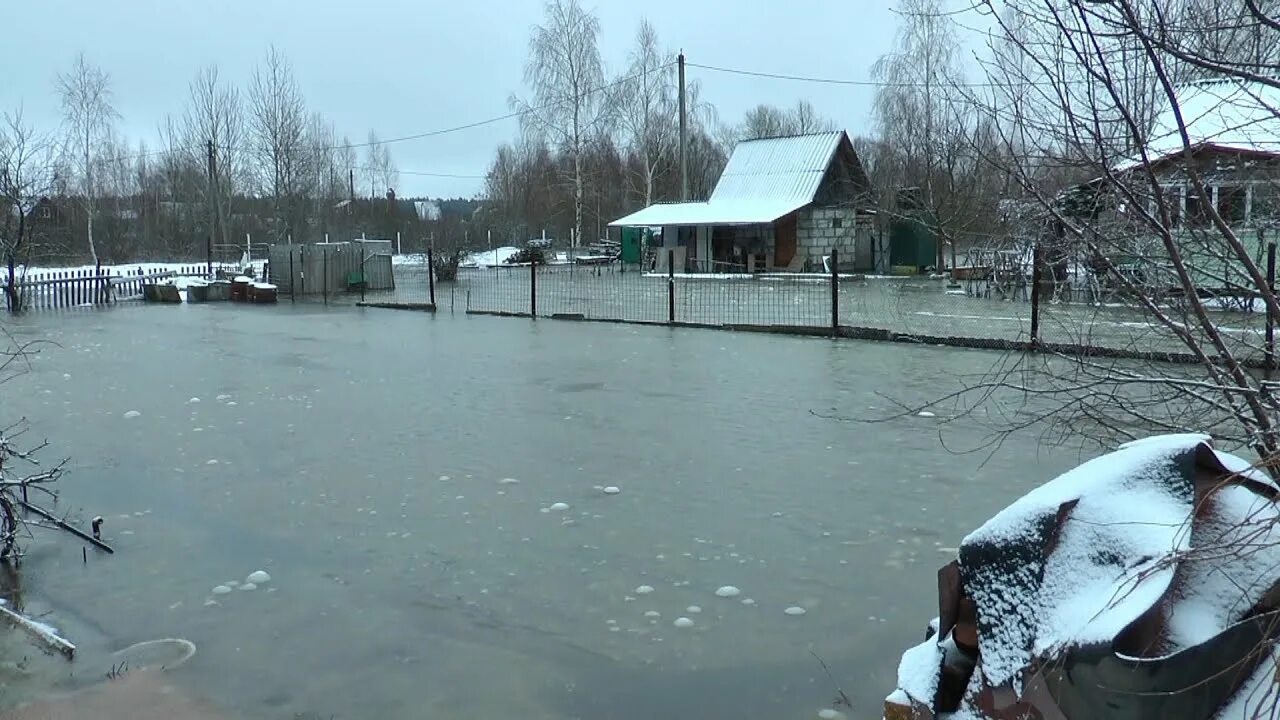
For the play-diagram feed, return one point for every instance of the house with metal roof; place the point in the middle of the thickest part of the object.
(782, 203)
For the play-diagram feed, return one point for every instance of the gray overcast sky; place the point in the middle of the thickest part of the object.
(407, 66)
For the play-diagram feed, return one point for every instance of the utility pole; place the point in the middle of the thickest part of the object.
(213, 205)
(351, 185)
(684, 136)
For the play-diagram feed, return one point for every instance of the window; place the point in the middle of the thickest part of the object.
(837, 222)
(1231, 204)
(45, 212)
(1197, 214)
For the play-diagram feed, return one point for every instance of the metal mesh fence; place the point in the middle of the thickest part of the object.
(927, 309)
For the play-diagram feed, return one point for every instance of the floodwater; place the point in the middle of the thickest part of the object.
(395, 473)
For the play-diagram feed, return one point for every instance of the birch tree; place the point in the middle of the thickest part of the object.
(26, 175)
(569, 104)
(647, 108)
(88, 117)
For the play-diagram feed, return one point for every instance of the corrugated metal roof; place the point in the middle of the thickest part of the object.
(1229, 114)
(749, 211)
(764, 180)
(785, 168)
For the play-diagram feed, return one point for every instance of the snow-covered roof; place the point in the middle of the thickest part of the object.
(725, 212)
(427, 209)
(1225, 114)
(764, 180)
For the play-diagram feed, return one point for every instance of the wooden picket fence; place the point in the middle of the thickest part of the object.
(57, 289)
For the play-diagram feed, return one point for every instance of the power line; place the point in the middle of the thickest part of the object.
(857, 83)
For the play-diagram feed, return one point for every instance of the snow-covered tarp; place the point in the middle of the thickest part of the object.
(1107, 591)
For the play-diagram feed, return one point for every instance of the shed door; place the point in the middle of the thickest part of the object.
(784, 243)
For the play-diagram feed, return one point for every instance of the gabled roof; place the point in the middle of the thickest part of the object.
(764, 180)
(1232, 115)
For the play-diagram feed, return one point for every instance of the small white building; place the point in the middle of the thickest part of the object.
(781, 204)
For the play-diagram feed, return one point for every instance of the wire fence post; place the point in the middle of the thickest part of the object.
(671, 287)
(835, 292)
(1035, 295)
(293, 289)
(533, 289)
(1271, 320)
(324, 270)
(431, 277)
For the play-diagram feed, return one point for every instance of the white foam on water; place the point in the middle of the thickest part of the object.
(795, 610)
(258, 577)
(221, 590)
(129, 415)
(683, 622)
(612, 490)
(644, 589)
(727, 591)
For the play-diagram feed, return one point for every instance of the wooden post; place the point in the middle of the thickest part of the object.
(324, 270)
(1035, 294)
(533, 290)
(1271, 320)
(431, 276)
(293, 289)
(835, 292)
(671, 287)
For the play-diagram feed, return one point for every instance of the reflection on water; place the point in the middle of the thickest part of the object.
(396, 475)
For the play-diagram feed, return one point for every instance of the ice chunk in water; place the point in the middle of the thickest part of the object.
(612, 490)
(794, 610)
(644, 589)
(221, 590)
(683, 622)
(258, 577)
(132, 414)
(559, 506)
(727, 591)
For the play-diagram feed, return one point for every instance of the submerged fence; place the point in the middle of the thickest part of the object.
(981, 312)
(57, 289)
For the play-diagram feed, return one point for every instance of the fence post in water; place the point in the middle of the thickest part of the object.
(533, 289)
(671, 287)
(1271, 320)
(431, 277)
(835, 292)
(1035, 295)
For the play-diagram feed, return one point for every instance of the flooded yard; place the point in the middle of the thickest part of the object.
(427, 495)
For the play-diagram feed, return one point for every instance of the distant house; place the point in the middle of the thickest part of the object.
(1232, 143)
(781, 204)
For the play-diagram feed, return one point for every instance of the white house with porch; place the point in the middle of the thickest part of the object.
(781, 204)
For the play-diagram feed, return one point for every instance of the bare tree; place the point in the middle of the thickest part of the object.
(647, 108)
(927, 123)
(1152, 222)
(26, 176)
(278, 124)
(88, 115)
(214, 122)
(379, 167)
(569, 105)
(765, 121)
(806, 120)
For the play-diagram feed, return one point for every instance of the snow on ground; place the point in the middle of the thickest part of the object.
(489, 258)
